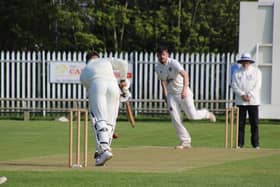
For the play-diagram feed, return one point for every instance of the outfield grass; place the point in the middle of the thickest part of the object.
(34, 153)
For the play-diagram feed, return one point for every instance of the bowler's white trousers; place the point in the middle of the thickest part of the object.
(175, 105)
(104, 105)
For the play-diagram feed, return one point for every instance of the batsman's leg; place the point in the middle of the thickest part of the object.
(93, 122)
(113, 102)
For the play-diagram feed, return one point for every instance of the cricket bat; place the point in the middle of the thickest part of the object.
(129, 114)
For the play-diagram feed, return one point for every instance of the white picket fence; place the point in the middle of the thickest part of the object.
(25, 81)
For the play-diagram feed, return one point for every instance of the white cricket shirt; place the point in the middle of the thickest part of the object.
(169, 73)
(103, 68)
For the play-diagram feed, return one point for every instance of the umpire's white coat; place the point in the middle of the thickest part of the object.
(247, 82)
(104, 96)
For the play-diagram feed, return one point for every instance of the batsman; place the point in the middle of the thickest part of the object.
(104, 92)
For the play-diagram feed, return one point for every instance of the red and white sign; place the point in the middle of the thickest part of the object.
(69, 72)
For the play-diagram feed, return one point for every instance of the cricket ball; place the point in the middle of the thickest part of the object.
(115, 135)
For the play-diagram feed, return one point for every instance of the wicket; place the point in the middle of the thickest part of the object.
(78, 141)
(232, 114)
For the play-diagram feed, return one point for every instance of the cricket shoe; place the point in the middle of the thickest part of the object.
(212, 117)
(96, 153)
(3, 179)
(183, 146)
(103, 158)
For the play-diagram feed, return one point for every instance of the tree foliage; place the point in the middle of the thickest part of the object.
(120, 25)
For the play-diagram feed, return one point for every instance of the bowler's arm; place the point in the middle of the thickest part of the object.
(164, 89)
(185, 76)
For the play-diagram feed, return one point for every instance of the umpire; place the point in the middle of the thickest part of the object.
(246, 86)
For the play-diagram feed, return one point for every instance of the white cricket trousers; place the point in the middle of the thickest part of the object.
(175, 105)
(104, 106)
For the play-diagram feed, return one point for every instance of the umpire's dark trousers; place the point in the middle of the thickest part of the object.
(253, 112)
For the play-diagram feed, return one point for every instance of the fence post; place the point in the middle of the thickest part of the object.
(136, 82)
(26, 115)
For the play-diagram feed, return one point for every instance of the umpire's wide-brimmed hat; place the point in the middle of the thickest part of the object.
(245, 57)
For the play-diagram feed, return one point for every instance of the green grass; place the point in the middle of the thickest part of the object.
(21, 140)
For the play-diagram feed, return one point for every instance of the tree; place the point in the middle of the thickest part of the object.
(71, 25)
(120, 25)
(23, 24)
